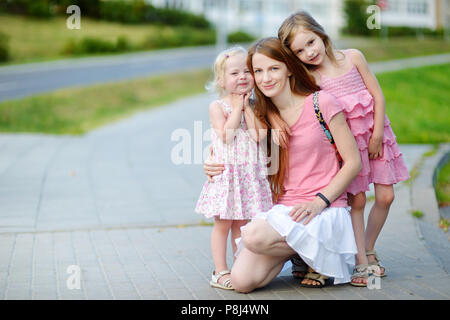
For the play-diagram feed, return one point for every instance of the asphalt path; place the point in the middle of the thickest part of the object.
(20, 81)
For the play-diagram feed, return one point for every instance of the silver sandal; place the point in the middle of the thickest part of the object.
(215, 280)
(375, 266)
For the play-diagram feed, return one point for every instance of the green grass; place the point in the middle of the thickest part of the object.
(442, 186)
(399, 47)
(34, 40)
(417, 214)
(78, 110)
(417, 103)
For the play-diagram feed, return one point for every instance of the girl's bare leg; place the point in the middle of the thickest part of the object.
(358, 202)
(219, 237)
(384, 196)
(236, 232)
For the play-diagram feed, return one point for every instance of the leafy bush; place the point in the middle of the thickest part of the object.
(403, 31)
(40, 9)
(179, 37)
(138, 11)
(95, 45)
(35, 8)
(4, 48)
(356, 17)
(124, 11)
(239, 36)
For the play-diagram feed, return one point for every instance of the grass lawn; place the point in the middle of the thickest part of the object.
(417, 103)
(33, 40)
(78, 110)
(443, 186)
(398, 48)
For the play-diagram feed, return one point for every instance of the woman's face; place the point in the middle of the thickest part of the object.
(237, 77)
(308, 47)
(271, 76)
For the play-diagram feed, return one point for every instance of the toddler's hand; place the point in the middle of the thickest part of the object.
(237, 101)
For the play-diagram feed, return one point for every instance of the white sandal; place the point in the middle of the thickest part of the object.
(215, 280)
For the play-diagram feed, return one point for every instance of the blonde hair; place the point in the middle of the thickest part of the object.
(219, 68)
(302, 19)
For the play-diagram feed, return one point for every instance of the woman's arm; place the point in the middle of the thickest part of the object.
(376, 140)
(348, 149)
(212, 169)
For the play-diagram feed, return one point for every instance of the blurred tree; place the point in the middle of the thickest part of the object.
(356, 17)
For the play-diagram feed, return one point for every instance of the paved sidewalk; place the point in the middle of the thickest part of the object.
(113, 203)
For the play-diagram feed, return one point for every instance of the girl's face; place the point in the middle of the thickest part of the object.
(308, 47)
(271, 76)
(237, 78)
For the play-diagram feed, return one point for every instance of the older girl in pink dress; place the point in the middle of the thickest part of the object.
(346, 75)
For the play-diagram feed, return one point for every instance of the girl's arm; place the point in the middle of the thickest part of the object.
(225, 127)
(376, 140)
(256, 128)
(348, 149)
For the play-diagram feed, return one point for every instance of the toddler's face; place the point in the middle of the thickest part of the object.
(308, 47)
(237, 77)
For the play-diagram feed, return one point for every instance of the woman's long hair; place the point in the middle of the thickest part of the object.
(303, 20)
(301, 83)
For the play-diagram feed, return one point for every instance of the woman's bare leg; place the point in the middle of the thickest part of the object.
(251, 270)
(262, 258)
(261, 238)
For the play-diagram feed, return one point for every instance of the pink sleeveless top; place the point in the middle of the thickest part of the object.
(312, 159)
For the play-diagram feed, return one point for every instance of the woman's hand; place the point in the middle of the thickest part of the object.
(212, 169)
(307, 210)
(375, 147)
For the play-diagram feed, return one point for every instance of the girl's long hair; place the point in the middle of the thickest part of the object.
(301, 83)
(302, 19)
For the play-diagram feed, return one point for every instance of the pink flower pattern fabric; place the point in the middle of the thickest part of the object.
(351, 91)
(242, 190)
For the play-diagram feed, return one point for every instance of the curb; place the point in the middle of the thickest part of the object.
(423, 196)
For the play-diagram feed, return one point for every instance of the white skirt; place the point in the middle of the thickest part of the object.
(326, 243)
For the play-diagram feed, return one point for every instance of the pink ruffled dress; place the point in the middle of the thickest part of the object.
(358, 103)
(242, 190)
